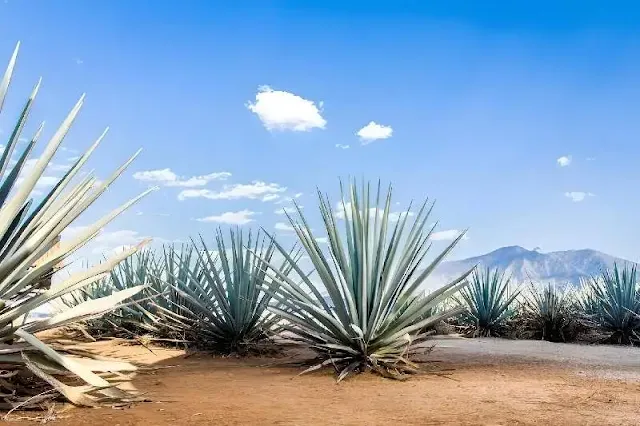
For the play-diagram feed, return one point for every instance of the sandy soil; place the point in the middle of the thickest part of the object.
(487, 382)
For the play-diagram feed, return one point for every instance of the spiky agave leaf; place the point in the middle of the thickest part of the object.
(488, 299)
(550, 313)
(224, 290)
(617, 304)
(28, 233)
(373, 315)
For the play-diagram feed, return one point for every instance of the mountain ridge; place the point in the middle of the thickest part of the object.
(523, 265)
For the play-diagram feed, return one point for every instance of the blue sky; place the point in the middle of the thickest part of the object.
(480, 103)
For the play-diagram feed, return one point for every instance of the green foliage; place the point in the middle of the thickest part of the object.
(195, 296)
(224, 290)
(488, 301)
(550, 314)
(28, 232)
(615, 304)
(373, 317)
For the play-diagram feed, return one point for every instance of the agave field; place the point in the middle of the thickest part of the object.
(360, 307)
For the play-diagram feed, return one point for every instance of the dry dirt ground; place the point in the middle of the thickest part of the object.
(479, 382)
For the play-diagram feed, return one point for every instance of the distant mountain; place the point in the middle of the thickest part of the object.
(559, 267)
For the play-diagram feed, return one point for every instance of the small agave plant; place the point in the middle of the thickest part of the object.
(488, 299)
(30, 230)
(228, 291)
(374, 316)
(615, 306)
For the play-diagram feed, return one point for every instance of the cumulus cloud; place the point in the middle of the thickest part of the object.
(339, 145)
(254, 190)
(373, 132)
(341, 213)
(279, 110)
(577, 196)
(241, 217)
(564, 161)
(448, 235)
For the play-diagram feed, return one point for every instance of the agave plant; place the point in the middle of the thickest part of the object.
(488, 300)
(223, 290)
(28, 232)
(550, 314)
(617, 307)
(373, 316)
(145, 315)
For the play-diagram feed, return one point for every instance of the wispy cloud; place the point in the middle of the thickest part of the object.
(115, 241)
(577, 196)
(254, 190)
(447, 235)
(279, 110)
(564, 161)
(281, 226)
(231, 218)
(343, 211)
(287, 210)
(167, 177)
(373, 132)
(339, 145)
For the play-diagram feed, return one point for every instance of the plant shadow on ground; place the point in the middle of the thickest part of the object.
(478, 388)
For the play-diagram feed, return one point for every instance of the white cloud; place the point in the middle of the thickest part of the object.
(287, 210)
(46, 181)
(564, 161)
(167, 177)
(281, 226)
(577, 196)
(298, 195)
(279, 110)
(393, 216)
(110, 241)
(448, 235)
(339, 145)
(232, 218)
(254, 190)
(373, 132)
(59, 167)
(74, 158)
(270, 197)
(322, 240)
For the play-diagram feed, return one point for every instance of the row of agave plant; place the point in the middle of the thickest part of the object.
(604, 308)
(374, 317)
(360, 307)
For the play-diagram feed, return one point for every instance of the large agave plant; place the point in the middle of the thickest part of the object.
(224, 291)
(617, 304)
(488, 300)
(28, 231)
(373, 316)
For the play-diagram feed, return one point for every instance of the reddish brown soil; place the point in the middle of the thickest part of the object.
(203, 390)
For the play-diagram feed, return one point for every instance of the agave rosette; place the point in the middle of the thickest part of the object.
(374, 314)
(30, 231)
